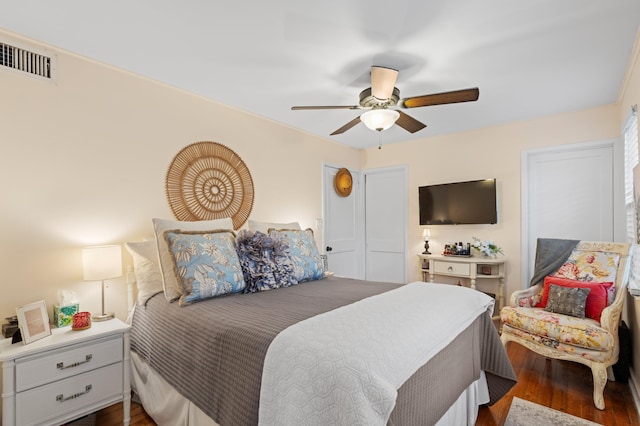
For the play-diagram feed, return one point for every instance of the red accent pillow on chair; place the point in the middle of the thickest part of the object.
(597, 300)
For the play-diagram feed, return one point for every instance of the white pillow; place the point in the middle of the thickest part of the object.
(264, 227)
(171, 289)
(146, 269)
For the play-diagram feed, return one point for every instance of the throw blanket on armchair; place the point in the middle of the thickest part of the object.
(551, 253)
(347, 363)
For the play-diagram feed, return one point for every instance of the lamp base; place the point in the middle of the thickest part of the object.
(426, 247)
(103, 317)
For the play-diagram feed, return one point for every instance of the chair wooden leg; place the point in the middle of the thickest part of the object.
(599, 382)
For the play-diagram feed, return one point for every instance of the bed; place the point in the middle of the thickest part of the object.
(325, 351)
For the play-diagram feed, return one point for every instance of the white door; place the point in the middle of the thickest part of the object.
(342, 237)
(567, 192)
(386, 224)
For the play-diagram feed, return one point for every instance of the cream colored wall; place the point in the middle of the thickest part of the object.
(630, 95)
(83, 162)
(487, 153)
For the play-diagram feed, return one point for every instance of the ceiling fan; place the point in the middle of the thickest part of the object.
(383, 94)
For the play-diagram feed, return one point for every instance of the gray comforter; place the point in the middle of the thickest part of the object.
(212, 352)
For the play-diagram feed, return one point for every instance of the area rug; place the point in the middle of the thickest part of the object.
(527, 413)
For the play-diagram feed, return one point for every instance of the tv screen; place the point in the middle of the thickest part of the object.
(458, 203)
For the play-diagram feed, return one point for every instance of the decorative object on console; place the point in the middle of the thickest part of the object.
(486, 248)
(33, 321)
(457, 249)
(10, 327)
(81, 321)
(62, 315)
(66, 307)
(343, 182)
(426, 234)
(207, 180)
(102, 263)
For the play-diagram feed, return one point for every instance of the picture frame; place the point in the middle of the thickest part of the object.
(33, 321)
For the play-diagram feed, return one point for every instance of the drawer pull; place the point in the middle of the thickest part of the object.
(61, 365)
(61, 398)
(450, 269)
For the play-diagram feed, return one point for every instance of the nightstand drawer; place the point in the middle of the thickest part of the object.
(41, 369)
(452, 268)
(45, 404)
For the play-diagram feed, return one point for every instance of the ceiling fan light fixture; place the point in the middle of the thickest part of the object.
(379, 119)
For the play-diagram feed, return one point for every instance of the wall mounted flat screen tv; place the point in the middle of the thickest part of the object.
(458, 203)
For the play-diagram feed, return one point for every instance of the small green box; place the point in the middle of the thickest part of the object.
(63, 315)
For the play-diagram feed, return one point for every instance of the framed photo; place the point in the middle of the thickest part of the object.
(33, 321)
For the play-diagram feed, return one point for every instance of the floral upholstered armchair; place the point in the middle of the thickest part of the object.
(575, 312)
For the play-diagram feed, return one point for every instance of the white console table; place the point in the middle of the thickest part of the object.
(471, 268)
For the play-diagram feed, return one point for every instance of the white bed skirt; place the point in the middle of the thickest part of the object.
(167, 407)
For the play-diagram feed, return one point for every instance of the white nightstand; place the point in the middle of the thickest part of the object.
(66, 375)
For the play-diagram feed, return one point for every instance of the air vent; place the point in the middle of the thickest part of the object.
(27, 61)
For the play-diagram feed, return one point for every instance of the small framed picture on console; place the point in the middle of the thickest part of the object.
(33, 321)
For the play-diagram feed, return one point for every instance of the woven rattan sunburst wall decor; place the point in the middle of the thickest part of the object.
(207, 180)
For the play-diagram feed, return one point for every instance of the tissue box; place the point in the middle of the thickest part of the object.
(62, 315)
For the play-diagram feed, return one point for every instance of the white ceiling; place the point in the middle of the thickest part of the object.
(529, 58)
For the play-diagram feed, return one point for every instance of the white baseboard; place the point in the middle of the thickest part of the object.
(634, 392)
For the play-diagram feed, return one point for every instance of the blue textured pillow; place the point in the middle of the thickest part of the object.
(308, 265)
(265, 261)
(205, 263)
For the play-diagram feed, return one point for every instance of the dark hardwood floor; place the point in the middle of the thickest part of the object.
(564, 386)
(561, 385)
(112, 416)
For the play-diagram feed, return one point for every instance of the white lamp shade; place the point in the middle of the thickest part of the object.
(102, 262)
(426, 234)
(379, 119)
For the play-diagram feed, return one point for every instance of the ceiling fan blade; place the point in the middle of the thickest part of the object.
(346, 126)
(409, 123)
(466, 95)
(383, 80)
(296, 108)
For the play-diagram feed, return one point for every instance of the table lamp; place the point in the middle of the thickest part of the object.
(102, 263)
(426, 234)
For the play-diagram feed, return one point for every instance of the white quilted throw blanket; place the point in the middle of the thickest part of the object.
(344, 367)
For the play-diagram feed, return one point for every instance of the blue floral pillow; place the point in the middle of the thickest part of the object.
(307, 263)
(205, 263)
(265, 261)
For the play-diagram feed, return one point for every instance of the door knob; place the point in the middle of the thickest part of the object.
(329, 248)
